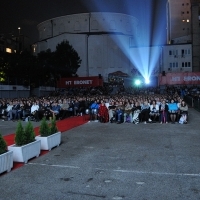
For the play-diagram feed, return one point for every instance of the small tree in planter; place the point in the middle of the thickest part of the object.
(3, 145)
(49, 135)
(44, 128)
(6, 157)
(29, 133)
(53, 127)
(24, 136)
(20, 137)
(25, 146)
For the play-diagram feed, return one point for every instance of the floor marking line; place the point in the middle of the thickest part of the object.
(120, 170)
(157, 173)
(63, 166)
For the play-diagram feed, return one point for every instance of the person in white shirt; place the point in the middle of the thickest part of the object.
(34, 111)
(8, 110)
(154, 110)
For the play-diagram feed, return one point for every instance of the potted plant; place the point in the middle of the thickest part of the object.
(6, 157)
(25, 147)
(49, 135)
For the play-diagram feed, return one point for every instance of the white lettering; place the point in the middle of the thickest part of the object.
(68, 82)
(176, 78)
(191, 78)
(83, 82)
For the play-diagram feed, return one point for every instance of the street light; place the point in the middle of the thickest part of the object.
(19, 28)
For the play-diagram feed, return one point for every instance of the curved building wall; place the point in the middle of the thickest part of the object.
(101, 40)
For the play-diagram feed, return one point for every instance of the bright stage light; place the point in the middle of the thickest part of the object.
(147, 81)
(137, 82)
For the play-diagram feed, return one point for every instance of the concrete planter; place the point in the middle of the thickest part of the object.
(47, 143)
(25, 152)
(6, 161)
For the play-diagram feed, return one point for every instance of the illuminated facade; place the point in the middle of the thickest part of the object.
(101, 40)
(178, 21)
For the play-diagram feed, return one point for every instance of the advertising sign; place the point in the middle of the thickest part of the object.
(186, 78)
(92, 81)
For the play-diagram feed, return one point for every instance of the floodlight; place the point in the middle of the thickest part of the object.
(147, 81)
(137, 82)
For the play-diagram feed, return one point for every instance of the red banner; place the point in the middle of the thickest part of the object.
(92, 81)
(185, 78)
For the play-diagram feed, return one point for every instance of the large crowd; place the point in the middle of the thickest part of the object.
(147, 106)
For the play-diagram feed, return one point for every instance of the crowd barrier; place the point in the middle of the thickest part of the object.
(195, 103)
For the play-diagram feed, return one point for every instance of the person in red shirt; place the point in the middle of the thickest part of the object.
(103, 113)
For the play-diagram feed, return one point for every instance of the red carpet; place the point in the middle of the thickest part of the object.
(63, 125)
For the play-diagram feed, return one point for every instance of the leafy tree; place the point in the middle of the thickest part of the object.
(3, 145)
(66, 59)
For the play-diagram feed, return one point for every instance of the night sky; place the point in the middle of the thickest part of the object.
(27, 14)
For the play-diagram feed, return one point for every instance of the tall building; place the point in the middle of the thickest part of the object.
(183, 26)
(195, 19)
(178, 21)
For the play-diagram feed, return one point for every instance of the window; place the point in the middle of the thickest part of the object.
(170, 65)
(182, 51)
(170, 52)
(188, 51)
(185, 64)
(173, 64)
(188, 64)
(8, 50)
(182, 64)
(176, 64)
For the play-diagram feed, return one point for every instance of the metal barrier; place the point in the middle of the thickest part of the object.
(195, 103)
(189, 100)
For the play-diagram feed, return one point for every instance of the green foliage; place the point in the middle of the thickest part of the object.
(44, 128)
(3, 145)
(24, 135)
(53, 128)
(20, 138)
(29, 132)
(67, 58)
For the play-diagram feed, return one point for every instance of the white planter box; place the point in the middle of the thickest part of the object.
(6, 161)
(25, 152)
(47, 143)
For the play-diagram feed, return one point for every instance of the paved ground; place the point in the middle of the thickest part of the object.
(113, 161)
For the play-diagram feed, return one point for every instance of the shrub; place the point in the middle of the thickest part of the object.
(24, 135)
(53, 127)
(20, 138)
(3, 145)
(29, 132)
(44, 128)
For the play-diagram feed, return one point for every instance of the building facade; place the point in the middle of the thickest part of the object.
(101, 40)
(178, 21)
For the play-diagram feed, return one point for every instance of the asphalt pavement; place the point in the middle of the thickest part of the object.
(112, 161)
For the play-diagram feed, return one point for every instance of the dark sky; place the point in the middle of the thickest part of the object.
(29, 13)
